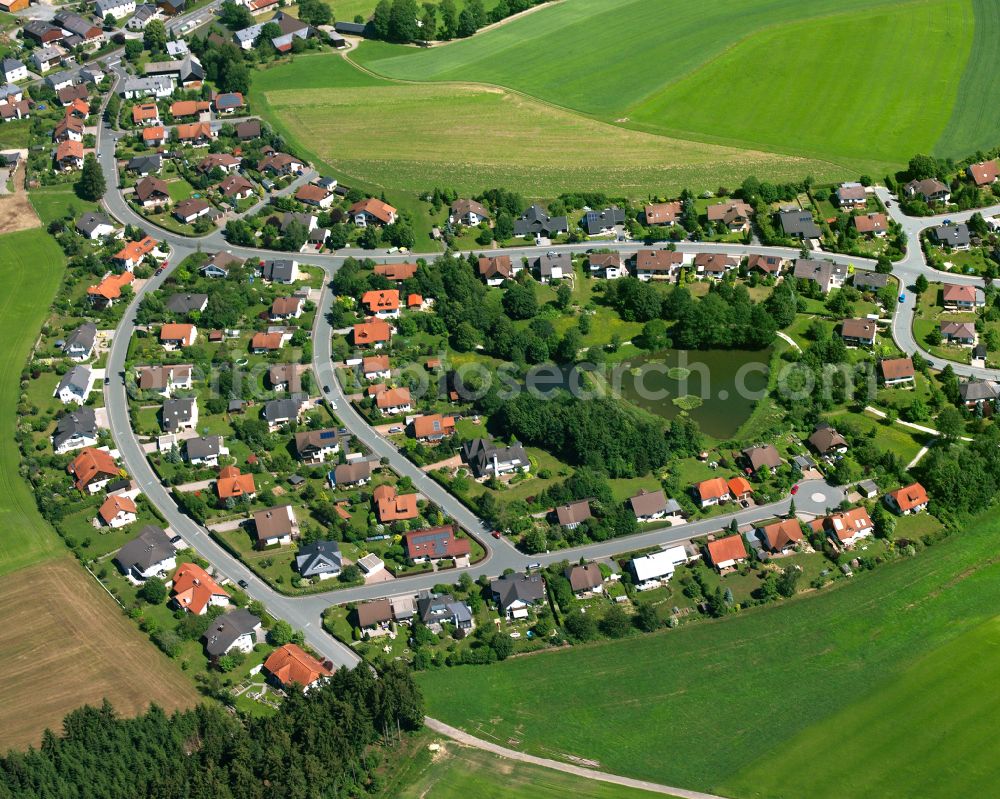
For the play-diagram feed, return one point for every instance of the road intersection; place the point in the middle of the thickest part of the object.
(304, 612)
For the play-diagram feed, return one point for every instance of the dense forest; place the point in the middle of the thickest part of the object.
(317, 744)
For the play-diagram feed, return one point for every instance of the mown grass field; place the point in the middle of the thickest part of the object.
(66, 644)
(713, 706)
(31, 265)
(412, 137)
(458, 772)
(54, 202)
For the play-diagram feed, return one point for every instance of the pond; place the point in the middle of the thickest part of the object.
(716, 388)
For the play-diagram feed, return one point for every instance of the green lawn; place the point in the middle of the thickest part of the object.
(703, 691)
(15, 134)
(32, 265)
(55, 202)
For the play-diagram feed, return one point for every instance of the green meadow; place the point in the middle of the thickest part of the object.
(882, 678)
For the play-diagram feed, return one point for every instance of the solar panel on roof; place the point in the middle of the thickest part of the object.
(327, 434)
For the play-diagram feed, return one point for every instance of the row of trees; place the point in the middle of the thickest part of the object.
(403, 21)
(319, 744)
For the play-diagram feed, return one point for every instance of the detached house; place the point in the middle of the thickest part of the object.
(290, 665)
(827, 441)
(851, 195)
(282, 411)
(280, 164)
(468, 212)
(205, 450)
(766, 264)
(231, 484)
(316, 446)
(827, 274)
(376, 367)
(174, 335)
(536, 222)
(649, 506)
(485, 459)
(93, 469)
(75, 386)
(871, 224)
(319, 559)
(149, 554)
(164, 380)
(433, 427)
(573, 514)
(118, 510)
(847, 527)
(984, 173)
(372, 212)
(554, 266)
(859, 332)
(962, 297)
(275, 526)
(961, 333)
(661, 213)
(282, 270)
(649, 570)
(598, 223)
(391, 506)
(734, 215)
(957, 237)
(727, 553)
(710, 492)
(314, 195)
(495, 270)
(382, 304)
(608, 265)
(394, 401)
(350, 475)
(434, 544)
(75, 429)
(179, 414)
(930, 190)
(907, 500)
(237, 630)
(657, 264)
(585, 579)
(799, 224)
(516, 593)
(195, 591)
(151, 191)
(782, 537)
(762, 458)
(235, 187)
(69, 155)
(79, 344)
(896, 371)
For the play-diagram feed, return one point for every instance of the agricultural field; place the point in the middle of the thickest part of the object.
(837, 664)
(456, 772)
(79, 642)
(494, 138)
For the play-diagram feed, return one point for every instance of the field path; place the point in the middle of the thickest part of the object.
(579, 771)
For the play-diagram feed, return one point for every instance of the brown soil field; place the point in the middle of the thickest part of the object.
(65, 644)
(16, 212)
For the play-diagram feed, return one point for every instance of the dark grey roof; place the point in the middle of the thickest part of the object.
(350, 28)
(177, 411)
(528, 588)
(437, 609)
(536, 221)
(280, 409)
(550, 260)
(952, 235)
(226, 629)
(278, 269)
(81, 422)
(306, 220)
(74, 23)
(799, 223)
(38, 28)
(977, 391)
(90, 221)
(82, 339)
(151, 546)
(319, 557)
(77, 378)
(11, 64)
(145, 163)
(185, 303)
(870, 280)
(187, 68)
(595, 221)
(203, 447)
(480, 452)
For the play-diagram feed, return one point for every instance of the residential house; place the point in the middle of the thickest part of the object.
(515, 593)
(196, 133)
(376, 367)
(283, 270)
(319, 560)
(143, 165)
(468, 212)
(219, 264)
(245, 131)
(714, 265)
(94, 225)
(847, 527)
(205, 450)
(275, 526)
(284, 308)
(710, 492)
(75, 386)
(537, 223)
(79, 344)
(734, 215)
(350, 475)
(224, 161)
(118, 510)
(396, 272)
(69, 128)
(370, 616)
(186, 72)
(186, 303)
(799, 224)
(435, 543)
(154, 136)
(374, 333)
(977, 394)
(435, 610)
(46, 58)
(827, 274)
(573, 514)
(657, 264)
(372, 211)
(231, 484)
(585, 578)
(382, 304)
(69, 155)
(608, 265)
(869, 281)
(316, 446)
(282, 411)
(930, 190)
(93, 469)
(158, 87)
(859, 332)
(496, 269)
(727, 553)
(104, 294)
(192, 108)
(827, 441)
(762, 458)
(433, 427)
(908, 499)
(75, 429)
(662, 213)
(12, 70)
(165, 380)
(290, 665)
(149, 554)
(956, 237)
(740, 489)
(851, 196)
(554, 266)
(485, 459)
(237, 630)
(649, 570)
(188, 211)
(281, 164)
(601, 223)
(649, 506)
(962, 297)
(175, 335)
(896, 371)
(285, 377)
(391, 506)
(394, 401)
(781, 537)
(151, 192)
(144, 14)
(230, 102)
(307, 221)
(313, 195)
(874, 224)
(179, 413)
(271, 341)
(960, 333)
(767, 264)
(984, 173)
(235, 188)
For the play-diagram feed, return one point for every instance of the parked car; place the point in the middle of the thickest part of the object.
(496, 534)
(795, 490)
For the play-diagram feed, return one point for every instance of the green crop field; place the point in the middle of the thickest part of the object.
(696, 94)
(31, 265)
(715, 706)
(458, 772)
(412, 137)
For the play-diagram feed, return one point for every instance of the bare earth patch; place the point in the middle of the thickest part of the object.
(16, 212)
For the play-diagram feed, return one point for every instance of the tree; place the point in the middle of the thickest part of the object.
(788, 580)
(519, 302)
(580, 626)
(350, 574)
(449, 20)
(381, 17)
(504, 226)
(616, 622)
(234, 76)
(647, 619)
(922, 167)
(921, 285)
(466, 24)
(91, 185)
(403, 26)
(133, 50)
(563, 296)
(950, 423)
(883, 523)
(502, 646)
(236, 17)
(315, 12)
(478, 11)
(153, 591)
(154, 38)
(280, 633)
(109, 20)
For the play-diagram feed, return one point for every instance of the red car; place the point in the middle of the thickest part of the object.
(496, 533)
(795, 490)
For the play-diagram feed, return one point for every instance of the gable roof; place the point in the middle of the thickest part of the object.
(291, 664)
(92, 464)
(227, 629)
(896, 368)
(713, 488)
(909, 497)
(231, 483)
(318, 557)
(150, 547)
(373, 207)
(573, 512)
(115, 504)
(435, 542)
(584, 577)
(782, 535)
(762, 455)
(194, 588)
(725, 549)
(648, 503)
